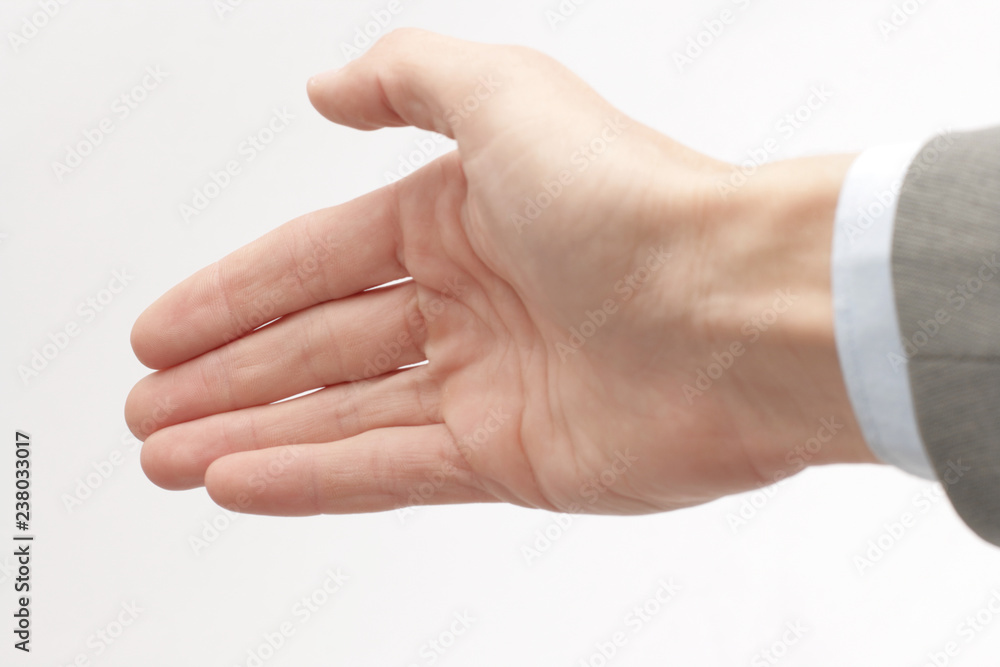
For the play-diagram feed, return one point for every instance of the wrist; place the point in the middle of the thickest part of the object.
(771, 245)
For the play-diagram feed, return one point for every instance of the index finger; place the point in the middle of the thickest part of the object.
(324, 255)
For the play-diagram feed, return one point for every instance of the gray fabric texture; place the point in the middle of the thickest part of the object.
(946, 282)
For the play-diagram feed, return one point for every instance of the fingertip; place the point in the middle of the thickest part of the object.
(137, 340)
(318, 88)
(263, 482)
(159, 465)
(130, 413)
(317, 81)
(143, 340)
(216, 481)
(405, 78)
(135, 337)
(227, 481)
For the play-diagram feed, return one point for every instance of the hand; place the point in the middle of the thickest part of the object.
(577, 284)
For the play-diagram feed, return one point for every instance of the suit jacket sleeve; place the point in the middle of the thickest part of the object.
(946, 281)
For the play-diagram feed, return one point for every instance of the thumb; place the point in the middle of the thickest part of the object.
(464, 90)
(411, 77)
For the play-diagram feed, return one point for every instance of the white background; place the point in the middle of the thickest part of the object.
(793, 561)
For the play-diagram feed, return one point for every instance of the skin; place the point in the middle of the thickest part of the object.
(512, 406)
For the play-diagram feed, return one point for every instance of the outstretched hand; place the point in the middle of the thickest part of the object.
(574, 281)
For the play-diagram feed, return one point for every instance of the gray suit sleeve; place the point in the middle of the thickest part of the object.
(946, 281)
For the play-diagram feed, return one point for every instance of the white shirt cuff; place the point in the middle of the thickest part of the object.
(865, 320)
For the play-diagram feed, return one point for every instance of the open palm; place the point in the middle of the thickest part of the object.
(553, 279)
